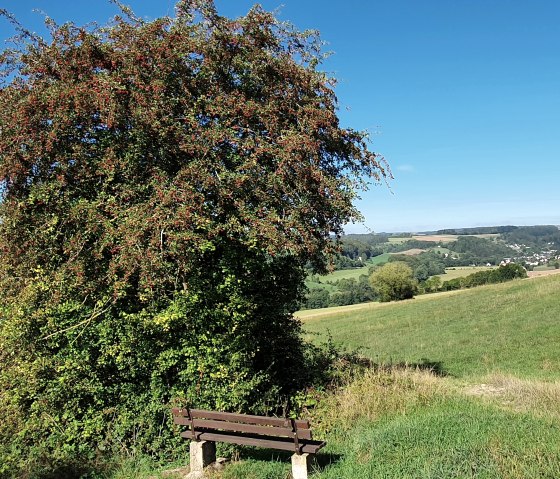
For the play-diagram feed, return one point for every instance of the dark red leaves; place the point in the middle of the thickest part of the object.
(149, 141)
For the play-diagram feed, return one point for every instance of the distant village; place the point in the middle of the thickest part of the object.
(528, 257)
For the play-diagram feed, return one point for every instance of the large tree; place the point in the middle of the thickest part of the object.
(164, 183)
(394, 281)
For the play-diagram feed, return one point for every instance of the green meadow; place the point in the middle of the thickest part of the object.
(511, 327)
(462, 271)
(467, 385)
(353, 273)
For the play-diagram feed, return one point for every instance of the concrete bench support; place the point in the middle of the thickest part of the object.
(300, 465)
(203, 453)
(281, 433)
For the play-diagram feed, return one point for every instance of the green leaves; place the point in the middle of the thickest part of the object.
(220, 129)
(164, 184)
(394, 281)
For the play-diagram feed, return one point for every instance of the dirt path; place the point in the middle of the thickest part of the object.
(536, 274)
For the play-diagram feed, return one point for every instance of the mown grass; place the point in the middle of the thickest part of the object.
(511, 328)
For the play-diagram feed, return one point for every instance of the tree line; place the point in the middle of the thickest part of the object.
(424, 270)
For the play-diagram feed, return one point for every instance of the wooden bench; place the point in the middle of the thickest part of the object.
(208, 427)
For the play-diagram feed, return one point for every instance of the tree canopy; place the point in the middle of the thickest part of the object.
(129, 152)
(394, 281)
(163, 184)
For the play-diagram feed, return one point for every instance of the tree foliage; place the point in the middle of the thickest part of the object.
(480, 250)
(535, 236)
(394, 281)
(423, 265)
(164, 184)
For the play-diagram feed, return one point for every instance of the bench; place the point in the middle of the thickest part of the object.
(208, 427)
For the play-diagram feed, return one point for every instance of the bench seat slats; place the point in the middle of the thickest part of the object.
(248, 428)
(285, 444)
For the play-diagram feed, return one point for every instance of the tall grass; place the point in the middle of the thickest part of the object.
(396, 424)
(378, 393)
(541, 398)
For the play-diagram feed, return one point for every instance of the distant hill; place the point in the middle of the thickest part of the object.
(478, 230)
(534, 236)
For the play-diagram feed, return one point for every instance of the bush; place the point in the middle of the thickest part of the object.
(501, 274)
(317, 298)
(69, 393)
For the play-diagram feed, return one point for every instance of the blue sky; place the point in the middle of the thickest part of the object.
(461, 97)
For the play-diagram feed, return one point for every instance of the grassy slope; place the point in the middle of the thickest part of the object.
(408, 423)
(511, 327)
(416, 425)
(462, 271)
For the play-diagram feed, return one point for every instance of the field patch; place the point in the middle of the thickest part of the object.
(355, 273)
(436, 238)
(462, 271)
(444, 238)
(398, 239)
(411, 252)
(542, 272)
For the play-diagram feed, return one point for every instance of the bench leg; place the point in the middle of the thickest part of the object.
(300, 465)
(203, 453)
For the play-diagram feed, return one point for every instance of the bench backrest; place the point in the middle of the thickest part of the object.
(255, 430)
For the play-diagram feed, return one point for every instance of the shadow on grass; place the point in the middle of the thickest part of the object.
(321, 461)
(435, 367)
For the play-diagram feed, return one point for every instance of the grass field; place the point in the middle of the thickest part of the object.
(480, 397)
(345, 273)
(462, 271)
(437, 238)
(508, 327)
(441, 250)
(543, 267)
(355, 272)
(398, 239)
(382, 258)
(411, 252)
